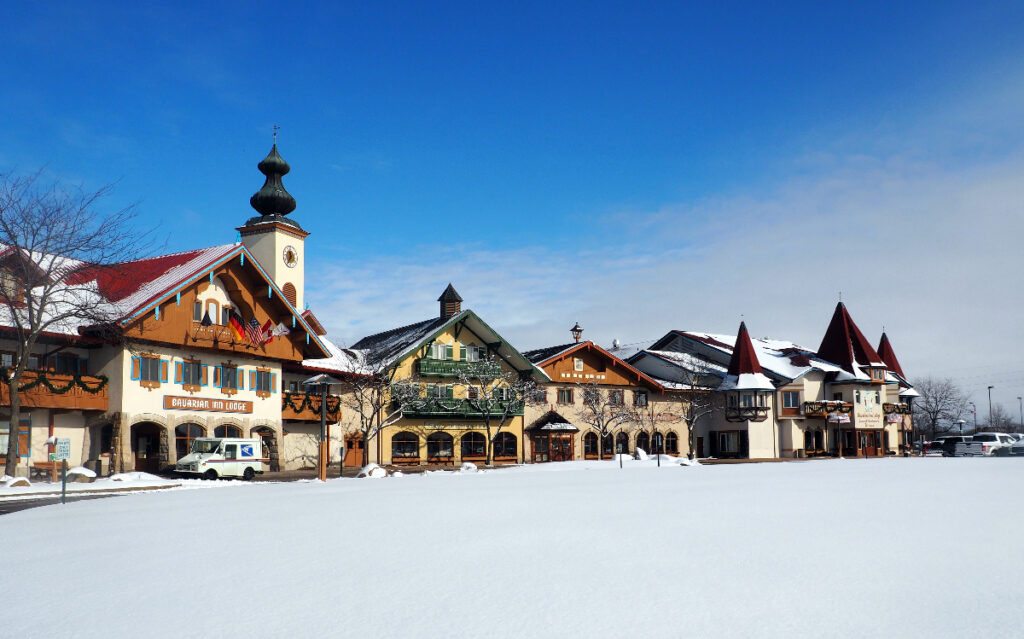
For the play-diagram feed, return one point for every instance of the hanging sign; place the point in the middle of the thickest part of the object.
(174, 402)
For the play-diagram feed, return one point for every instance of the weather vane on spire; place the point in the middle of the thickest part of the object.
(276, 129)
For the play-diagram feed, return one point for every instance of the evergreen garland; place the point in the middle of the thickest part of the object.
(333, 402)
(42, 379)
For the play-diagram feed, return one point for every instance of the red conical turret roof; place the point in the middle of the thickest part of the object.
(744, 359)
(744, 370)
(845, 345)
(889, 356)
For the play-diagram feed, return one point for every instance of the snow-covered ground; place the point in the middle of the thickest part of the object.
(838, 548)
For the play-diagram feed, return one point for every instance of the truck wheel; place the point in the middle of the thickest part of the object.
(210, 474)
(248, 474)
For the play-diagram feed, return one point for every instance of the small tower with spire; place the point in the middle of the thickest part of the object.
(451, 302)
(275, 240)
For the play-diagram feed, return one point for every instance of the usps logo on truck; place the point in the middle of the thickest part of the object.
(246, 450)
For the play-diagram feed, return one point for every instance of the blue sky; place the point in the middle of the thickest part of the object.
(634, 167)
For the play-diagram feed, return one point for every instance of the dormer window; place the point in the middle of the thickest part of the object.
(441, 351)
(577, 364)
(877, 374)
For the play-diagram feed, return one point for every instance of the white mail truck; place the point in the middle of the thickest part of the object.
(213, 457)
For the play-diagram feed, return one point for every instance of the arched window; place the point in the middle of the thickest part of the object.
(672, 443)
(622, 444)
(213, 308)
(590, 446)
(474, 445)
(606, 446)
(440, 447)
(643, 441)
(505, 445)
(183, 436)
(405, 446)
(227, 430)
(289, 293)
(658, 444)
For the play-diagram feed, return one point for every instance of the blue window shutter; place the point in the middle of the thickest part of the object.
(204, 376)
(163, 371)
(179, 373)
(240, 376)
(273, 382)
(218, 376)
(136, 368)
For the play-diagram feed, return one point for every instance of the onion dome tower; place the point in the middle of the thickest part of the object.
(847, 347)
(275, 240)
(451, 302)
(747, 388)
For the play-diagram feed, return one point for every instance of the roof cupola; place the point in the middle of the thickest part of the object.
(272, 201)
(451, 302)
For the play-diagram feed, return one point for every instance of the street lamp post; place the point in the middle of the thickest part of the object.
(321, 383)
(961, 422)
(990, 407)
(1020, 401)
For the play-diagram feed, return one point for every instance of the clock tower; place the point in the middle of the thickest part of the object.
(275, 240)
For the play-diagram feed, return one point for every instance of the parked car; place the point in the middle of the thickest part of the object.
(949, 444)
(1017, 448)
(984, 444)
(934, 447)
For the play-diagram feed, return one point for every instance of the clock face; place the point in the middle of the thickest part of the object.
(290, 256)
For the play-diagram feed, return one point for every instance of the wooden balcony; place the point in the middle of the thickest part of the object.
(427, 367)
(432, 407)
(43, 389)
(746, 413)
(305, 407)
(822, 409)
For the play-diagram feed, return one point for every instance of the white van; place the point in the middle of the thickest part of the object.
(213, 457)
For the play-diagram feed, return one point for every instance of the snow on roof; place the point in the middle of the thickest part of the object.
(390, 345)
(539, 355)
(844, 344)
(342, 360)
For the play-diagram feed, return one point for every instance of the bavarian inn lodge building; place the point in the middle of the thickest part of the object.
(212, 342)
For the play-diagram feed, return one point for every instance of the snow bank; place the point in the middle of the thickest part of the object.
(136, 476)
(372, 470)
(467, 467)
(81, 470)
(14, 482)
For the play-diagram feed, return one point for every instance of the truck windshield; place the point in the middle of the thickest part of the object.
(201, 446)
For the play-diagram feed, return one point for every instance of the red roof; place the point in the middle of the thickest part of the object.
(118, 281)
(889, 356)
(844, 344)
(744, 359)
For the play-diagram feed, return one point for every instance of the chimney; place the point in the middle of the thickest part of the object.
(451, 302)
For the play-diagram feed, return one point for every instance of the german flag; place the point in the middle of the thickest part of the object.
(237, 328)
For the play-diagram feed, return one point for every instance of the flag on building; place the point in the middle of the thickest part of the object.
(280, 330)
(268, 332)
(236, 325)
(254, 332)
(206, 319)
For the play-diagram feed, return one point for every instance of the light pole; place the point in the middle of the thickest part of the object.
(961, 422)
(321, 383)
(1020, 401)
(990, 407)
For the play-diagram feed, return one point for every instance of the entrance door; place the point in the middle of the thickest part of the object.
(146, 447)
(700, 447)
(869, 444)
(353, 451)
(561, 447)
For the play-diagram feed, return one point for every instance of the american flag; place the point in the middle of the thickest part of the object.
(254, 332)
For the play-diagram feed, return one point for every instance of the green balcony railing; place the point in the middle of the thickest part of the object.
(439, 407)
(427, 367)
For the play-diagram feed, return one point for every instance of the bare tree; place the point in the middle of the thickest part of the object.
(376, 397)
(496, 395)
(698, 398)
(940, 405)
(55, 240)
(604, 410)
(1001, 420)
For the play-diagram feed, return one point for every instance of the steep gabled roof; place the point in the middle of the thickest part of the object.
(744, 372)
(845, 345)
(394, 345)
(541, 357)
(889, 356)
